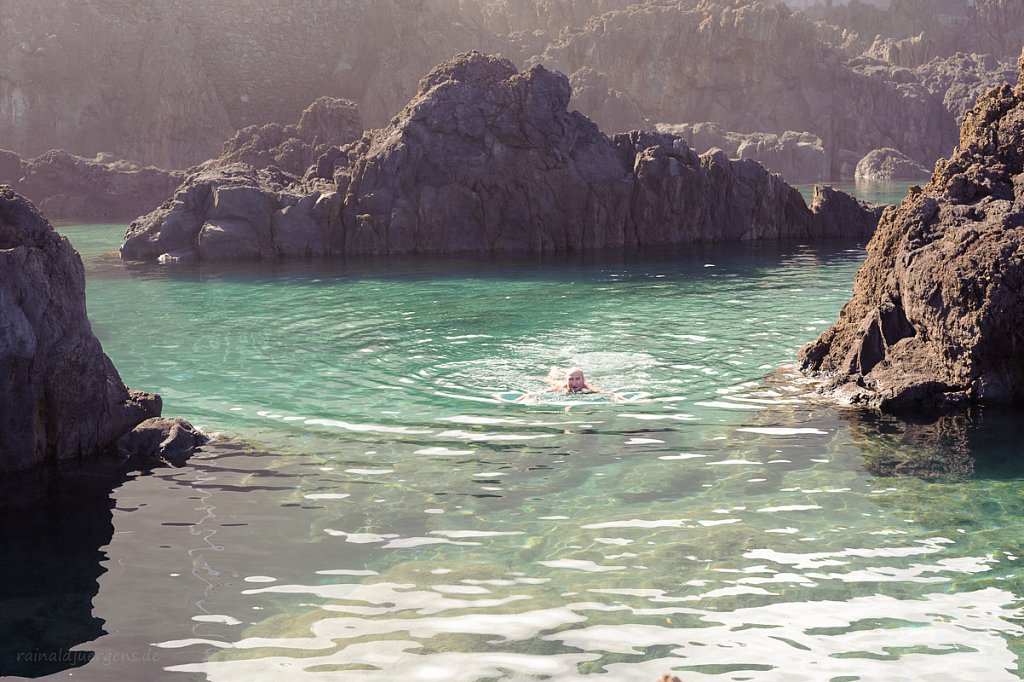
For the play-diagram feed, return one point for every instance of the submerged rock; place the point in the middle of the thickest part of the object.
(60, 396)
(484, 159)
(889, 164)
(935, 318)
(161, 438)
(65, 186)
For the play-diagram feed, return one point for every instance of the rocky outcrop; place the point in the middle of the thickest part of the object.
(935, 318)
(60, 396)
(161, 438)
(911, 32)
(484, 159)
(798, 157)
(889, 164)
(326, 123)
(69, 187)
(750, 66)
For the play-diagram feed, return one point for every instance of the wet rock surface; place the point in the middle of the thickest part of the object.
(935, 318)
(161, 438)
(60, 396)
(484, 159)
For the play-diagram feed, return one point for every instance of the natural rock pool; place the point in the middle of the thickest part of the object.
(397, 520)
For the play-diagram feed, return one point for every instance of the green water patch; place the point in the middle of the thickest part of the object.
(395, 514)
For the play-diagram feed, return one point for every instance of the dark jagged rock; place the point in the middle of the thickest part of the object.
(326, 123)
(798, 157)
(483, 159)
(65, 186)
(161, 438)
(935, 318)
(889, 164)
(60, 396)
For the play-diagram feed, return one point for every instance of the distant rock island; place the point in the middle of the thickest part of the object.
(937, 309)
(60, 395)
(486, 159)
(65, 186)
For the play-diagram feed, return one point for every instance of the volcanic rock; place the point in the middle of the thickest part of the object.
(65, 186)
(328, 122)
(798, 157)
(484, 159)
(161, 438)
(60, 396)
(935, 318)
(889, 164)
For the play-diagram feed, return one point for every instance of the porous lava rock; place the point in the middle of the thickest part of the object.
(326, 123)
(161, 438)
(484, 159)
(60, 395)
(68, 187)
(889, 164)
(935, 317)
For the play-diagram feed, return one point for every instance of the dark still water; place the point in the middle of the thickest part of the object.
(393, 516)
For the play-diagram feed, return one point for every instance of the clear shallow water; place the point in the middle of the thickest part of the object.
(395, 519)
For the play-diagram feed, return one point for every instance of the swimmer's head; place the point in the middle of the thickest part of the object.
(574, 380)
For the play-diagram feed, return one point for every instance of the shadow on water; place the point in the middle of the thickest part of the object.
(55, 522)
(590, 264)
(981, 442)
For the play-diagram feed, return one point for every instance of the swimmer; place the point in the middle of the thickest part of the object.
(574, 382)
(571, 381)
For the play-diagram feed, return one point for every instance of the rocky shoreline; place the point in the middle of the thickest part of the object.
(61, 397)
(935, 317)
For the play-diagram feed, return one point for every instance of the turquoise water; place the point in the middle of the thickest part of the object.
(392, 516)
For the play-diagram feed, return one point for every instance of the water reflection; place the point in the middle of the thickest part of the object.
(54, 523)
(980, 441)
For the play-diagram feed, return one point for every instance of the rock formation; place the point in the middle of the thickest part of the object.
(83, 77)
(60, 396)
(889, 164)
(185, 75)
(935, 318)
(798, 157)
(64, 186)
(485, 159)
(326, 123)
(749, 66)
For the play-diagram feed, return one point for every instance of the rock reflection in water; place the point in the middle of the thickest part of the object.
(53, 524)
(940, 446)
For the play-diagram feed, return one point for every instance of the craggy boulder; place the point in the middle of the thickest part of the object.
(161, 438)
(937, 309)
(884, 164)
(60, 396)
(484, 159)
(328, 122)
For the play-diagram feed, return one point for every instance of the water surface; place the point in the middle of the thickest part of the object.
(391, 517)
